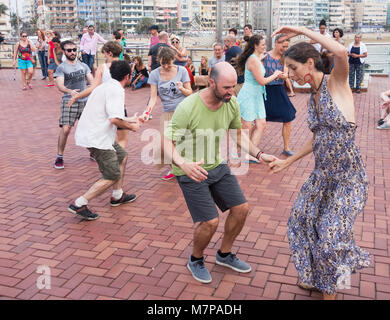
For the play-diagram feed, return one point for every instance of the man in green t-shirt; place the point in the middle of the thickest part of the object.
(192, 141)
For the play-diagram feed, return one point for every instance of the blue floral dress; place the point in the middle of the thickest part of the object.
(251, 96)
(320, 227)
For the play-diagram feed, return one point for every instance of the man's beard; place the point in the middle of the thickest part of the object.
(71, 57)
(220, 97)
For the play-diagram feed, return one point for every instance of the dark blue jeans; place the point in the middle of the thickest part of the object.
(355, 70)
(43, 62)
(88, 59)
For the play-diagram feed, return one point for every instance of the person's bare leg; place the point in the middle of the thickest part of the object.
(247, 125)
(202, 236)
(118, 184)
(286, 133)
(122, 136)
(98, 188)
(50, 74)
(62, 138)
(233, 226)
(30, 73)
(258, 131)
(23, 73)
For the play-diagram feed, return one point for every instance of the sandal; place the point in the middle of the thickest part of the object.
(29, 85)
(291, 95)
(24, 88)
(304, 286)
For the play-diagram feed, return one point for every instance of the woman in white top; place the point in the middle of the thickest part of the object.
(357, 51)
(111, 51)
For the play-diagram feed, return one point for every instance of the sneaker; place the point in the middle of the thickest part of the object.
(231, 261)
(59, 164)
(150, 117)
(83, 212)
(357, 90)
(199, 270)
(380, 122)
(288, 153)
(384, 126)
(168, 176)
(126, 198)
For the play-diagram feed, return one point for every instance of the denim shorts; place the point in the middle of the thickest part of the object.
(221, 188)
(52, 65)
(24, 64)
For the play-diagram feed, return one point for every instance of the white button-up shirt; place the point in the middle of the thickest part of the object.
(94, 129)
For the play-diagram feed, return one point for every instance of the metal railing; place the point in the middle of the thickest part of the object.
(378, 56)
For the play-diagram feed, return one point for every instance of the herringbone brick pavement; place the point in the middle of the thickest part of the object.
(139, 250)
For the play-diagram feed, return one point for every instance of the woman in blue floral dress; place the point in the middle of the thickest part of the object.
(320, 227)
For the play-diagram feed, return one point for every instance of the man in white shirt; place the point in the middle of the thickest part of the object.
(96, 131)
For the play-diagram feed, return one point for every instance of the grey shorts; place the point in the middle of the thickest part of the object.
(109, 161)
(221, 188)
(69, 116)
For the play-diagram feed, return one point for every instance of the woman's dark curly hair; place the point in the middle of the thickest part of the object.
(340, 31)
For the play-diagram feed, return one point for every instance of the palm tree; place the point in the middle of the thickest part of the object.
(3, 9)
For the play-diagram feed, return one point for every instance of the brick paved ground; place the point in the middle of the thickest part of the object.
(139, 250)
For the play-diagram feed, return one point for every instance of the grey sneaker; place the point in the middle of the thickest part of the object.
(231, 261)
(199, 270)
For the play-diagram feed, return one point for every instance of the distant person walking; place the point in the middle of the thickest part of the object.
(357, 52)
(23, 52)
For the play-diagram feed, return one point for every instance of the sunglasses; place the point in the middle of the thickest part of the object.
(24, 36)
(174, 41)
(70, 50)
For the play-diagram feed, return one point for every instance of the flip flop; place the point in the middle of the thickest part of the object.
(292, 95)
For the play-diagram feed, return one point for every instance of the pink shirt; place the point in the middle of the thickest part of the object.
(153, 40)
(89, 44)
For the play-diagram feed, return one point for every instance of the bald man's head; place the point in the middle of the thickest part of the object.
(223, 79)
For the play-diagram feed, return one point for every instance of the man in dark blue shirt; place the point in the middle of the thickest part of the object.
(231, 54)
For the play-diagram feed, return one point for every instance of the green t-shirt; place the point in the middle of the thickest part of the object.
(198, 131)
(123, 44)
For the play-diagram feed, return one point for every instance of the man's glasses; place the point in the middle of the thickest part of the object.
(70, 50)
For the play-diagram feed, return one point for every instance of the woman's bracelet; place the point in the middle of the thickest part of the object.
(258, 156)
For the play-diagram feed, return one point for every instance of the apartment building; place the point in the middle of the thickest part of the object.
(374, 13)
(131, 12)
(5, 24)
